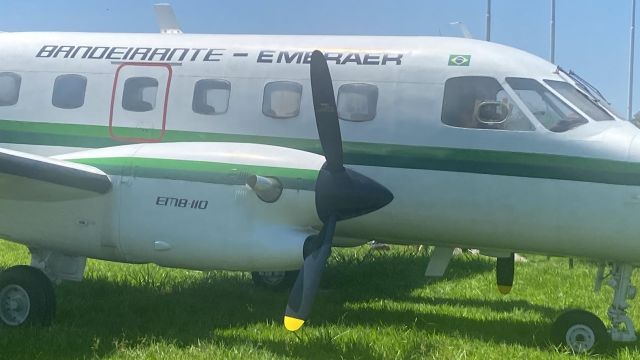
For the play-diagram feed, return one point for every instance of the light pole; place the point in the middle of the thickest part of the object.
(631, 49)
(488, 27)
(552, 52)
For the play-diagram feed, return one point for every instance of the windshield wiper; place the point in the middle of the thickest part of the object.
(590, 91)
(585, 86)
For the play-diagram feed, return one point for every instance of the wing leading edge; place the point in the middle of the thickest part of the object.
(28, 177)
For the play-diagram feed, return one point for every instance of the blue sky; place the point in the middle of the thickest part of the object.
(592, 37)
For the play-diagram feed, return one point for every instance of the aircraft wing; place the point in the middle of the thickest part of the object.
(28, 177)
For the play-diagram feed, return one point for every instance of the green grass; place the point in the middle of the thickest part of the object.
(370, 306)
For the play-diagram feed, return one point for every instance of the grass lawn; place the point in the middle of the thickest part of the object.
(370, 306)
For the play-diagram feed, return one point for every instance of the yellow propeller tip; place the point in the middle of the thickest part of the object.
(292, 324)
(504, 289)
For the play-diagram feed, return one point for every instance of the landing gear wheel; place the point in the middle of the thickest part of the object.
(26, 297)
(580, 331)
(50, 295)
(274, 280)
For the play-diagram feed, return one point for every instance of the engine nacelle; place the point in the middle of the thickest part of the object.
(229, 209)
(189, 205)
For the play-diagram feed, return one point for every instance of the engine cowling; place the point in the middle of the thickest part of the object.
(210, 205)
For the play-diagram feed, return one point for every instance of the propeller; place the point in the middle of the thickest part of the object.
(340, 194)
(505, 269)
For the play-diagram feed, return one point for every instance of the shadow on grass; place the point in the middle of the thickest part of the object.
(100, 316)
(309, 346)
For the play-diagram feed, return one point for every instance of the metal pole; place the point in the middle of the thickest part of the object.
(631, 49)
(552, 56)
(488, 31)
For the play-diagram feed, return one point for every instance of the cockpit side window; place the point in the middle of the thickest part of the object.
(480, 102)
(580, 100)
(553, 113)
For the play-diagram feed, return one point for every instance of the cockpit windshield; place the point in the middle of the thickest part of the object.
(588, 89)
(550, 110)
(580, 100)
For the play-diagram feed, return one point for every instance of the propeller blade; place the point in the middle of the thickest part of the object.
(324, 105)
(303, 293)
(340, 194)
(505, 269)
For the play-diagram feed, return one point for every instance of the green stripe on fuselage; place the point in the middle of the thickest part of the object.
(531, 165)
(201, 171)
(96, 136)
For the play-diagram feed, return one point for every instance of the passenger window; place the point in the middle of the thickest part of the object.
(357, 102)
(467, 99)
(140, 94)
(9, 88)
(282, 99)
(211, 97)
(69, 91)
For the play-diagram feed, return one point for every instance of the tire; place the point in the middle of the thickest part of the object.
(581, 332)
(26, 297)
(274, 280)
(50, 295)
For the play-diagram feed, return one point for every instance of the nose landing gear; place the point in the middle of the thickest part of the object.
(583, 332)
(622, 328)
(580, 331)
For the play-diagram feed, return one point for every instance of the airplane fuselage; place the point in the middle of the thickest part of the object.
(528, 188)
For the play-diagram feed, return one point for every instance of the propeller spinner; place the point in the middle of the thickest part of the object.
(341, 194)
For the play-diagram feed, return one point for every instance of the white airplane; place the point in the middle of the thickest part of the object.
(202, 152)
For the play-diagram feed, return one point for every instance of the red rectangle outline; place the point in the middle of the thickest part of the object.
(164, 112)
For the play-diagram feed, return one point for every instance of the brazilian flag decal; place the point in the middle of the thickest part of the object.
(459, 60)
